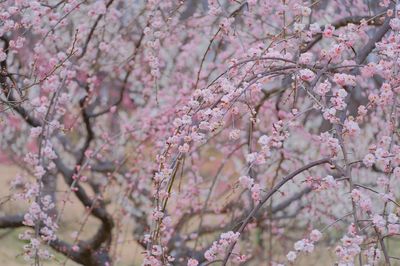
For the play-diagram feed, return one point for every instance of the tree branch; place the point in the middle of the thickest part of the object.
(254, 211)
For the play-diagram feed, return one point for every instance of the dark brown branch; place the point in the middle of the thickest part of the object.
(15, 221)
(12, 221)
(99, 17)
(297, 196)
(367, 49)
(13, 102)
(97, 210)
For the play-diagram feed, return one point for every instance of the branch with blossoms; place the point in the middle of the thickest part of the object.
(254, 211)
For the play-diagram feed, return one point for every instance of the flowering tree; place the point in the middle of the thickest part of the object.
(216, 132)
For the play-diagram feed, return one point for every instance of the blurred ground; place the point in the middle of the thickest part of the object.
(11, 247)
(130, 253)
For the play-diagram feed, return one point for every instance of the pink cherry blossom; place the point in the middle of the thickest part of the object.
(307, 75)
(291, 256)
(200, 132)
(192, 262)
(315, 235)
(328, 31)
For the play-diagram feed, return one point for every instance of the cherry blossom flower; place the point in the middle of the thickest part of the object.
(328, 31)
(307, 75)
(234, 134)
(315, 235)
(246, 182)
(322, 88)
(369, 160)
(192, 262)
(291, 256)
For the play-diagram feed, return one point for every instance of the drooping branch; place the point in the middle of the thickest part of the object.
(367, 49)
(8, 90)
(371, 20)
(254, 211)
(92, 29)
